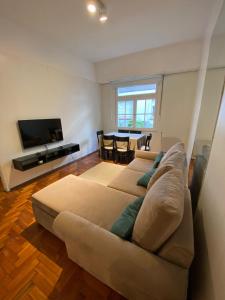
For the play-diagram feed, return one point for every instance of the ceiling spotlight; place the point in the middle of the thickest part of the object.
(103, 18)
(102, 13)
(92, 7)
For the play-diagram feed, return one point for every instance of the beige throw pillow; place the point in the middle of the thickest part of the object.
(175, 160)
(161, 212)
(175, 148)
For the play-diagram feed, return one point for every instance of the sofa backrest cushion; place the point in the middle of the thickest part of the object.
(179, 249)
(178, 147)
(175, 160)
(161, 212)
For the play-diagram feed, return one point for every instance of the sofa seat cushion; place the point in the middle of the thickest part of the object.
(161, 212)
(141, 165)
(98, 204)
(126, 181)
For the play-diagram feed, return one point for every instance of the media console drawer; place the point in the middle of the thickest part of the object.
(39, 158)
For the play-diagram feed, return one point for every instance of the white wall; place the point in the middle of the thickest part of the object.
(165, 60)
(210, 104)
(209, 265)
(18, 40)
(198, 100)
(202, 75)
(177, 105)
(108, 101)
(176, 108)
(217, 49)
(209, 271)
(32, 90)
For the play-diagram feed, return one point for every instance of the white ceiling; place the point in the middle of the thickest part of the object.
(133, 25)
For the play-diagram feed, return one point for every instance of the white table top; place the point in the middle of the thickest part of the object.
(123, 134)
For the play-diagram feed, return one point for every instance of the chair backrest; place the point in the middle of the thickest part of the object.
(123, 131)
(122, 142)
(99, 134)
(135, 131)
(108, 140)
(147, 142)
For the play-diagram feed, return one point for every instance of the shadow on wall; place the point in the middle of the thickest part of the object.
(87, 147)
(198, 282)
(17, 177)
(168, 142)
(2, 179)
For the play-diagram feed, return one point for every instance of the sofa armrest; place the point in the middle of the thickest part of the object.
(122, 265)
(146, 154)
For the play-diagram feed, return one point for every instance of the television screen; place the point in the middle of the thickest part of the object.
(40, 132)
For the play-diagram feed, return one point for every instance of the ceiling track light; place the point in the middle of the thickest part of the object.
(103, 15)
(94, 6)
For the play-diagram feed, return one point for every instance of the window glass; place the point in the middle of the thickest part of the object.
(125, 121)
(129, 107)
(140, 106)
(150, 106)
(140, 121)
(121, 107)
(137, 89)
(149, 121)
(140, 110)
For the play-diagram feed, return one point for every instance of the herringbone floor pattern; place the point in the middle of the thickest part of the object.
(33, 262)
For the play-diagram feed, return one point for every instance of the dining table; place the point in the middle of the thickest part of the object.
(136, 139)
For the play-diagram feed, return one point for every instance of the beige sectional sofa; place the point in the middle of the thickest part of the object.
(155, 264)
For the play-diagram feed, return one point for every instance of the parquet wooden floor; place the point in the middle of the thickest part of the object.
(33, 262)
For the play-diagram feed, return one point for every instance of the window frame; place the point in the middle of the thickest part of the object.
(150, 96)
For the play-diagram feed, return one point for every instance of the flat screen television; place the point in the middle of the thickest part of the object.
(40, 132)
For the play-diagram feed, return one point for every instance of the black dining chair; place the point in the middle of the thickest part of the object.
(108, 147)
(100, 134)
(147, 147)
(123, 131)
(135, 131)
(123, 154)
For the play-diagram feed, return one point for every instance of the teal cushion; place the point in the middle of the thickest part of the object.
(158, 159)
(123, 226)
(144, 180)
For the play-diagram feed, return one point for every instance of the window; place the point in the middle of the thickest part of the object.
(136, 106)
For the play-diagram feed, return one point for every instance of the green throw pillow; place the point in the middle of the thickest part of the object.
(123, 226)
(144, 180)
(158, 159)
